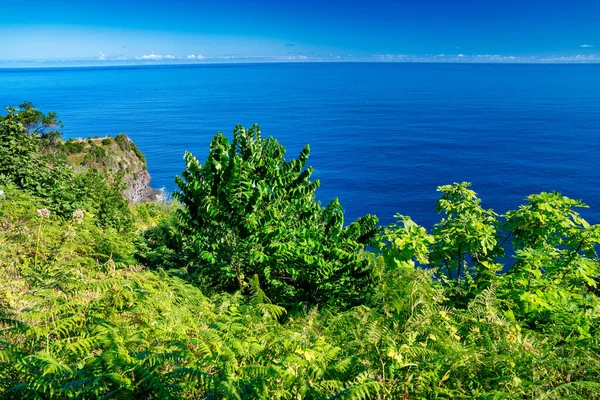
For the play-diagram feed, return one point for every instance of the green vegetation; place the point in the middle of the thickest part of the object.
(28, 161)
(246, 288)
(125, 144)
(73, 146)
(247, 212)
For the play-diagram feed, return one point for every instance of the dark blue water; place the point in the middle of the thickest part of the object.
(383, 136)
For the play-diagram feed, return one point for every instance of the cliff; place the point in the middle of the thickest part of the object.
(120, 158)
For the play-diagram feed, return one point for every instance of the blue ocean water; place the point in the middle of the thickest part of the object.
(383, 136)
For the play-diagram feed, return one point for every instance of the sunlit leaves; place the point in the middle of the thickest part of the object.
(556, 264)
(466, 241)
(247, 211)
(78, 320)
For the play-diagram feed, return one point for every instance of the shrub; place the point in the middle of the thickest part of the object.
(125, 144)
(249, 212)
(74, 147)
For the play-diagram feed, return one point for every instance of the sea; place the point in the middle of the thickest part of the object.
(383, 136)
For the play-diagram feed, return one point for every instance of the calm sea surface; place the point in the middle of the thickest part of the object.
(383, 136)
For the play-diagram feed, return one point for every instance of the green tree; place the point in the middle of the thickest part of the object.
(18, 151)
(465, 239)
(247, 211)
(557, 265)
(36, 122)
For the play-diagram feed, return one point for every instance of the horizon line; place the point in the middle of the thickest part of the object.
(100, 59)
(72, 64)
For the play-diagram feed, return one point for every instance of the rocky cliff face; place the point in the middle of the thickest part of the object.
(120, 158)
(137, 188)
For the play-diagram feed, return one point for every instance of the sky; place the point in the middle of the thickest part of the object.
(385, 30)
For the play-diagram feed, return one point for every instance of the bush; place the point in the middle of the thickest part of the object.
(125, 144)
(249, 212)
(161, 246)
(74, 147)
(95, 154)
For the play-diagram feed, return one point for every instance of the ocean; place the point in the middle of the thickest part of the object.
(383, 136)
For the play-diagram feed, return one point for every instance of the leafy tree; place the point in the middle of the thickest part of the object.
(465, 239)
(73, 146)
(557, 265)
(18, 151)
(249, 212)
(36, 122)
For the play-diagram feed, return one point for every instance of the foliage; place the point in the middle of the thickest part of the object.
(76, 325)
(465, 241)
(37, 123)
(73, 146)
(161, 246)
(247, 211)
(126, 144)
(553, 282)
(26, 160)
(81, 319)
(79, 325)
(94, 154)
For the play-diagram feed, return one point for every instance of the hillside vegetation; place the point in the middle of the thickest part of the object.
(246, 287)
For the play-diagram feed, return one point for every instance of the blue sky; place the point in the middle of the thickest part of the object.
(150, 29)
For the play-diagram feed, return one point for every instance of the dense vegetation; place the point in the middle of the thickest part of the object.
(247, 288)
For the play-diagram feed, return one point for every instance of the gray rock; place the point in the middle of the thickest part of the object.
(138, 188)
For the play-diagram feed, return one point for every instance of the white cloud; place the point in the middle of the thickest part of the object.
(154, 57)
(586, 46)
(483, 58)
(584, 57)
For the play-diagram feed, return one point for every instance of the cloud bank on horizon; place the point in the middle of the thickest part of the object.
(149, 59)
(351, 30)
